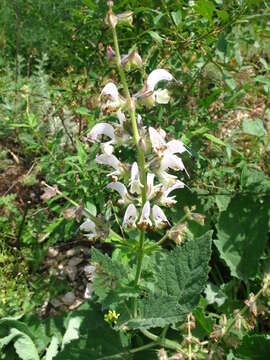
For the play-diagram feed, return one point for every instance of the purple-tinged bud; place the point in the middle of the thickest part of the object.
(110, 53)
(125, 18)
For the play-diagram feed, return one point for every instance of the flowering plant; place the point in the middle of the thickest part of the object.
(152, 287)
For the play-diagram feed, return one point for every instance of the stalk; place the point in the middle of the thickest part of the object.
(140, 157)
(98, 222)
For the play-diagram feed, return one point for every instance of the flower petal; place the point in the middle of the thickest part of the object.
(159, 217)
(90, 228)
(157, 140)
(120, 188)
(101, 129)
(170, 161)
(130, 216)
(110, 90)
(145, 222)
(135, 183)
(175, 147)
(162, 96)
(156, 76)
(109, 160)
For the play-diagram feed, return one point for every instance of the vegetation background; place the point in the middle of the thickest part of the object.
(53, 65)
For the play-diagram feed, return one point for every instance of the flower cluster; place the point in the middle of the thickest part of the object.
(144, 190)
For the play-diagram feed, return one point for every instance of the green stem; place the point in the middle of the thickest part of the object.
(241, 313)
(169, 344)
(132, 351)
(140, 154)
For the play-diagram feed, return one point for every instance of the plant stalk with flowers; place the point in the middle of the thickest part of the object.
(173, 279)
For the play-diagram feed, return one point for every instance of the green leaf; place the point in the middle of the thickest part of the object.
(155, 36)
(25, 347)
(52, 349)
(72, 332)
(180, 278)
(222, 202)
(97, 340)
(205, 8)
(214, 139)
(242, 235)
(251, 177)
(177, 17)
(253, 127)
(223, 15)
(255, 347)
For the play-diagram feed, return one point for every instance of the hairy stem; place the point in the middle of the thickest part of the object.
(169, 344)
(140, 156)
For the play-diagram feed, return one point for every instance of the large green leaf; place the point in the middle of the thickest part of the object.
(255, 347)
(180, 278)
(97, 340)
(242, 235)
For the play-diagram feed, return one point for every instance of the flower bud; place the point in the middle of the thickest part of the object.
(125, 18)
(178, 233)
(111, 19)
(110, 53)
(132, 60)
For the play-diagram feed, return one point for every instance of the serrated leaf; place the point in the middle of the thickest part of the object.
(113, 268)
(180, 278)
(242, 235)
(255, 347)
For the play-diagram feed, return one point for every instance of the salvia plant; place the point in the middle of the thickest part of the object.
(153, 281)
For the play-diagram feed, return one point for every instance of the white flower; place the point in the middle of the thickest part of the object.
(170, 201)
(130, 216)
(101, 129)
(145, 222)
(156, 76)
(151, 189)
(170, 161)
(111, 160)
(135, 183)
(90, 227)
(160, 146)
(159, 217)
(121, 117)
(157, 140)
(167, 179)
(121, 189)
(161, 96)
(111, 91)
(107, 148)
(114, 101)
(148, 95)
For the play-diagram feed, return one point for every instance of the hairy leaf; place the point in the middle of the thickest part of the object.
(242, 235)
(180, 278)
